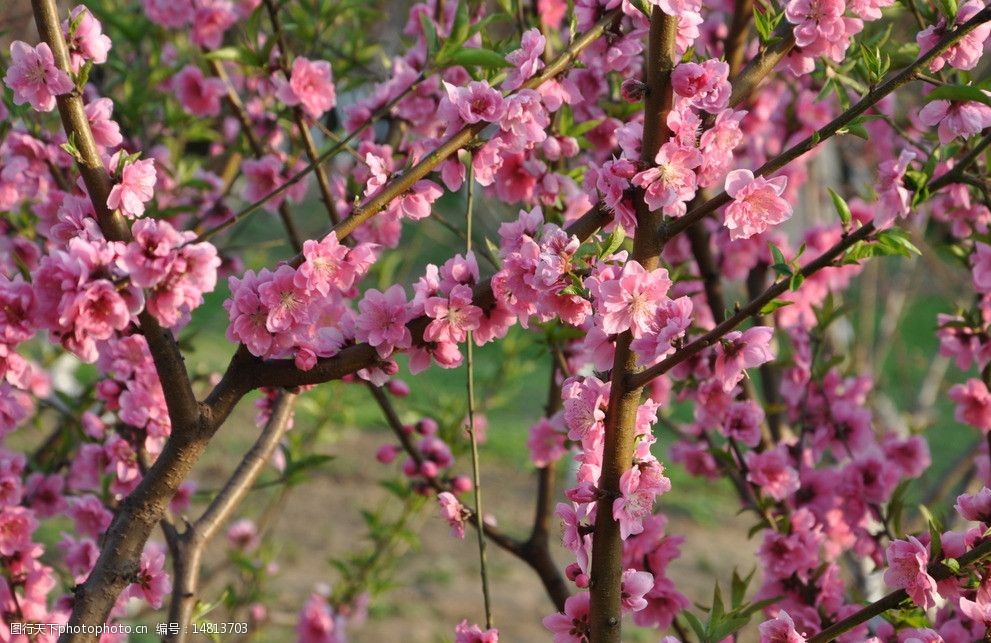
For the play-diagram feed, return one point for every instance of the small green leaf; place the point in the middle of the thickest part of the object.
(841, 206)
(478, 57)
(614, 241)
(773, 305)
(430, 33)
(796, 281)
(958, 93)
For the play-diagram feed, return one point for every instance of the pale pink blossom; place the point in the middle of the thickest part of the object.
(973, 402)
(893, 197)
(466, 632)
(573, 625)
(757, 203)
(780, 629)
(964, 53)
(136, 187)
(34, 77)
(630, 302)
(87, 41)
(706, 86)
(310, 85)
(471, 104)
(525, 62)
(907, 561)
(956, 118)
(772, 471)
(453, 511)
(672, 183)
(452, 316)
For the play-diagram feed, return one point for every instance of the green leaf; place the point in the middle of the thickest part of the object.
(738, 587)
(461, 26)
(796, 281)
(478, 57)
(614, 241)
(841, 206)
(695, 624)
(935, 534)
(958, 93)
(773, 305)
(948, 8)
(430, 33)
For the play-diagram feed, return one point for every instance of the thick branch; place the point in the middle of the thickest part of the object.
(617, 454)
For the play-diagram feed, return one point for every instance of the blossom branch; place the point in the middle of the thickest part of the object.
(395, 188)
(672, 228)
(234, 101)
(181, 402)
(300, 120)
(937, 570)
(777, 289)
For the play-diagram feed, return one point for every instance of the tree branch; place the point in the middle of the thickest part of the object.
(191, 543)
(605, 615)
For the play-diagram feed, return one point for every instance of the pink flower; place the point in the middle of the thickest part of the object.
(136, 187)
(976, 507)
(743, 422)
(630, 302)
(452, 316)
(467, 632)
(453, 511)
(416, 202)
(757, 203)
(739, 351)
(524, 121)
(211, 19)
(771, 470)
(672, 183)
(981, 264)
(973, 403)
(17, 524)
(966, 52)
(263, 177)
(287, 302)
(634, 585)
(87, 42)
(311, 85)
(34, 77)
(957, 118)
(325, 266)
(382, 320)
(639, 487)
(820, 27)
(105, 131)
(893, 196)
(199, 96)
(546, 441)
(525, 62)
(151, 255)
(572, 626)
(472, 104)
(707, 85)
(907, 561)
(153, 582)
(780, 629)
(318, 623)
(169, 13)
